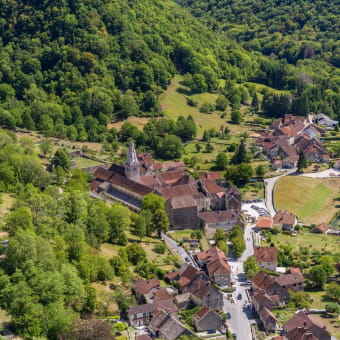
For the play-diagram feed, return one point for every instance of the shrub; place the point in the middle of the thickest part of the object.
(159, 248)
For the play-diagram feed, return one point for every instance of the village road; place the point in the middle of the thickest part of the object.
(239, 305)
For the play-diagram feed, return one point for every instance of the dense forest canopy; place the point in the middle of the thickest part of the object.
(67, 66)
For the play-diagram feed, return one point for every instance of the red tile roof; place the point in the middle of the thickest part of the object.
(289, 279)
(162, 294)
(262, 280)
(284, 218)
(300, 333)
(264, 222)
(201, 312)
(321, 228)
(265, 254)
(301, 319)
(210, 175)
(141, 287)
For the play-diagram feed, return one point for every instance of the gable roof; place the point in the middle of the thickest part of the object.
(288, 279)
(168, 326)
(141, 287)
(264, 222)
(201, 312)
(140, 309)
(162, 294)
(216, 261)
(188, 275)
(219, 216)
(183, 202)
(300, 333)
(322, 228)
(166, 305)
(284, 218)
(265, 314)
(301, 319)
(265, 254)
(210, 175)
(262, 280)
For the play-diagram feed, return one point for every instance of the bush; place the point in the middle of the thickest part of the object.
(159, 248)
(207, 108)
(120, 326)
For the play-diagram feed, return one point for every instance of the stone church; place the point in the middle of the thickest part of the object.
(185, 197)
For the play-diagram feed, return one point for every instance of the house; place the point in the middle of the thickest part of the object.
(165, 326)
(285, 220)
(225, 219)
(266, 257)
(203, 293)
(205, 319)
(141, 315)
(290, 281)
(188, 275)
(264, 222)
(309, 323)
(299, 333)
(143, 289)
(261, 299)
(217, 265)
(268, 319)
(321, 228)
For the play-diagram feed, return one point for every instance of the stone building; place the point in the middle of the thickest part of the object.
(206, 319)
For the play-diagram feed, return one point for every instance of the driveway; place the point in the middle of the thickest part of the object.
(329, 173)
(180, 251)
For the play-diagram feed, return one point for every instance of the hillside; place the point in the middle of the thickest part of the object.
(68, 67)
(296, 35)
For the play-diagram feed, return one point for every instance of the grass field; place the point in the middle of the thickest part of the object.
(311, 199)
(321, 242)
(82, 162)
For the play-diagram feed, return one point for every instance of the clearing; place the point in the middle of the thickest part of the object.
(311, 199)
(6, 203)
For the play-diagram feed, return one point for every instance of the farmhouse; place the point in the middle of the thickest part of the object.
(206, 318)
(309, 323)
(285, 220)
(321, 228)
(266, 257)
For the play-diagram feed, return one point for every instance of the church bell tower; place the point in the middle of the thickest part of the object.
(131, 165)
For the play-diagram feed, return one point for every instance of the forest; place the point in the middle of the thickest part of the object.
(68, 68)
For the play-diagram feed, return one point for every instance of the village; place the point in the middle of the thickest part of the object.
(212, 295)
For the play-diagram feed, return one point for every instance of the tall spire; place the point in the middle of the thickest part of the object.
(131, 165)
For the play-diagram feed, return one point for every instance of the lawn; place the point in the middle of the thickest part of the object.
(311, 199)
(82, 162)
(304, 238)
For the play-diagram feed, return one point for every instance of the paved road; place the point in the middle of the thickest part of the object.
(240, 315)
(180, 251)
(269, 190)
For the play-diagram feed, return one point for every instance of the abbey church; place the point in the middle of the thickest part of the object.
(190, 203)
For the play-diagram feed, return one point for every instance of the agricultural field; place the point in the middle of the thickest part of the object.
(311, 199)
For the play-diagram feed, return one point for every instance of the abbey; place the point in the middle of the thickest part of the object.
(190, 203)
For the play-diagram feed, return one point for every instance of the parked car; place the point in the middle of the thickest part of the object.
(239, 296)
(234, 336)
(187, 259)
(211, 331)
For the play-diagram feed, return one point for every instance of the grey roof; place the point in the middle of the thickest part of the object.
(146, 308)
